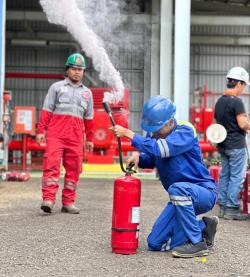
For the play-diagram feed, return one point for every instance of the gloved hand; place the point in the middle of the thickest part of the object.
(133, 159)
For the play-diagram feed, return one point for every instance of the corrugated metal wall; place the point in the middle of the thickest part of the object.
(210, 63)
(31, 92)
(129, 61)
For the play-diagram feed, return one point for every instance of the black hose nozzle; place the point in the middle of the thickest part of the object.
(106, 107)
(108, 111)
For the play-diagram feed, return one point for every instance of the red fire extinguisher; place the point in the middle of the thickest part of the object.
(215, 171)
(126, 206)
(15, 176)
(246, 194)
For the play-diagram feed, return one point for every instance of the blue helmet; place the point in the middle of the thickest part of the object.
(156, 113)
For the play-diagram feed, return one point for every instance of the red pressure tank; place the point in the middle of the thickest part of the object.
(15, 176)
(214, 171)
(126, 215)
(246, 194)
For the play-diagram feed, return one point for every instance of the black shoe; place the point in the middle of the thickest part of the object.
(221, 212)
(233, 213)
(190, 250)
(210, 230)
(47, 206)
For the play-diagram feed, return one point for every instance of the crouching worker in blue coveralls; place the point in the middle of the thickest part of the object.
(172, 147)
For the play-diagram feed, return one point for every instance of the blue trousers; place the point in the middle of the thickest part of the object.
(234, 165)
(177, 223)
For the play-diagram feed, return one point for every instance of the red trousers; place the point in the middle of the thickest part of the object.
(70, 153)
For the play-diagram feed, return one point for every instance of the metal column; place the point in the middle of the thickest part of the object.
(182, 58)
(155, 49)
(2, 57)
(166, 48)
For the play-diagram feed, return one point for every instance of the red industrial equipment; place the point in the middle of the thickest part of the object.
(15, 176)
(24, 119)
(105, 146)
(24, 123)
(6, 112)
(214, 171)
(126, 206)
(202, 117)
(246, 194)
(9, 176)
(1, 152)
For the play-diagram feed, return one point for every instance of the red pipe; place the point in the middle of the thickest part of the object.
(126, 146)
(206, 147)
(15, 145)
(24, 151)
(31, 145)
(33, 75)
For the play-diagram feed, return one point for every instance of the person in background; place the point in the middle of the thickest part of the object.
(172, 147)
(67, 111)
(230, 112)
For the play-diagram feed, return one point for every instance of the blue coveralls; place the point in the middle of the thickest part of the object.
(192, 191)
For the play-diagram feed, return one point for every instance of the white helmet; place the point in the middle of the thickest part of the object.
(216, 133)
(238, 73)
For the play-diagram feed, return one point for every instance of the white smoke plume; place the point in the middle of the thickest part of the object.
(68, 14)
(111, 21)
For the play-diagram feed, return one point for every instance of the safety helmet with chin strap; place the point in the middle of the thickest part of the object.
(156, 113)
(76, 60)
(238, 73)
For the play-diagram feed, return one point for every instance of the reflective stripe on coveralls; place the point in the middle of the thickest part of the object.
(180, 200)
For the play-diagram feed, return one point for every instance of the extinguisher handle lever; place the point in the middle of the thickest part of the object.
(129, 168)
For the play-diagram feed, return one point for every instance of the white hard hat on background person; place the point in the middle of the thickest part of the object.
(238, 73)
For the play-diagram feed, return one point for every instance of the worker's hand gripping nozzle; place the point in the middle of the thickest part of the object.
(108, 111)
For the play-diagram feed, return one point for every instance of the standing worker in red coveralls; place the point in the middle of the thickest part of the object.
(67, 111)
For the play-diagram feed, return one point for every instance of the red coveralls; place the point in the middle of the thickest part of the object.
(66, 111)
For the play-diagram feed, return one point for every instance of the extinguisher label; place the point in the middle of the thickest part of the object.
(136, 215)
(137, 232)
(248, 208)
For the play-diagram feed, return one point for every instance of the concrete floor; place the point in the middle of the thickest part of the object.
(34, 244)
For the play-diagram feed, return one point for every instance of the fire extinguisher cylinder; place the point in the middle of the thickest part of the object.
(126, 215)
(246, 194)
(126, 206)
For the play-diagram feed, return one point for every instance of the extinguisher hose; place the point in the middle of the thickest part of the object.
(108, 111)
